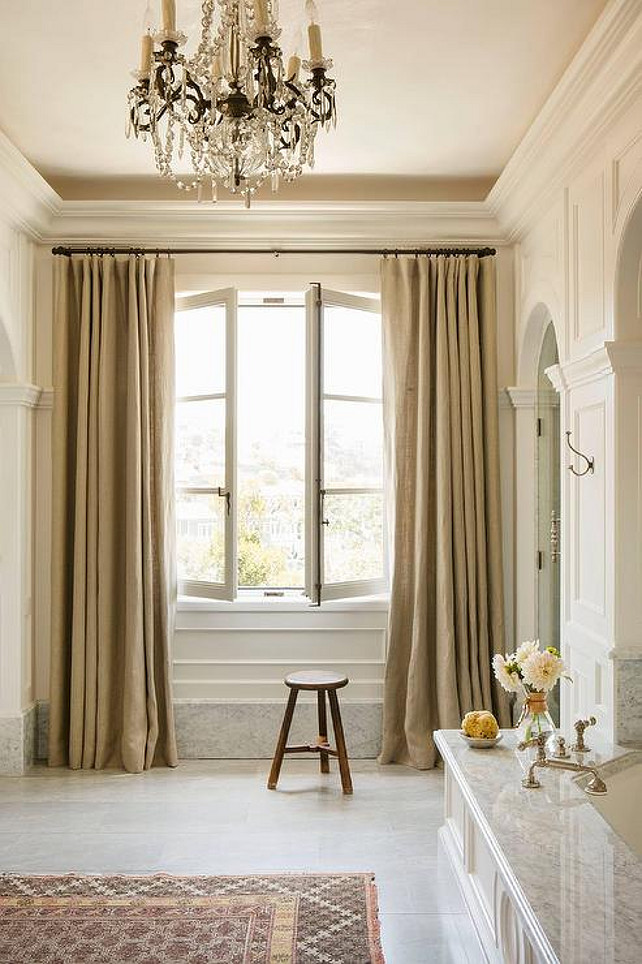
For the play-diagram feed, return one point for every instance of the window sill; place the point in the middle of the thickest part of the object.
(270, 604)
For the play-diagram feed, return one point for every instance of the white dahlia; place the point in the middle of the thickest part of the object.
(526, 649)
(506, 674)
(541, 671)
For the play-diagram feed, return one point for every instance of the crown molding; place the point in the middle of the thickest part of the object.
(274, 224)
(28, 202)
(603, 79)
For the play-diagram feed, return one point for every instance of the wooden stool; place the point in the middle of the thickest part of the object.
(323, 682)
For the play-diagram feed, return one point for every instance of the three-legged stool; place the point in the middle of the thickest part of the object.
(322, 682)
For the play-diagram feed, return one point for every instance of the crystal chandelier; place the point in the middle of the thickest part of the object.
(232, 114)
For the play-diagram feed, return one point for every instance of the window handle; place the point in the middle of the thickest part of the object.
(224, 494)
(324, 522)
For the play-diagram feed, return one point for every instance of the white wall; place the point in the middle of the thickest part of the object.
(567, 272)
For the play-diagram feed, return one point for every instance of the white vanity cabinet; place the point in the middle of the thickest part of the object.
(506, 927)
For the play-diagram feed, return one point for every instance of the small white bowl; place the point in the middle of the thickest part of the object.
(478, 743)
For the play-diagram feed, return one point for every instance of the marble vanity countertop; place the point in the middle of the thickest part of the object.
(567, 869)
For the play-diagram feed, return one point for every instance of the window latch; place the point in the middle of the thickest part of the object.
(324, 522)
(224, 494)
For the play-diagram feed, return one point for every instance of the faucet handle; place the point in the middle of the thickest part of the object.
(580, 746)
(561, 753)
(538, 741)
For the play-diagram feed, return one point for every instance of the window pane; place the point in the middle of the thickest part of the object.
(200, 351)
(353, 444)
(200, 443)
(200, 528)
(353, 538)
(350, 334)
(271, 446)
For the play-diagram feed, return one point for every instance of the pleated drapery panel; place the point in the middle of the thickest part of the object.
(442, 453)
(113, 580)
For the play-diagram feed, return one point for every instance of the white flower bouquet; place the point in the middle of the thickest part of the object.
(531, 672)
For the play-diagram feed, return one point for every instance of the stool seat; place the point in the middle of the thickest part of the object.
(316, 679)
(326, 683)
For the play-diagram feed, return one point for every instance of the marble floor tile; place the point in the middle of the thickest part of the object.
(427, 939)
(217, 817)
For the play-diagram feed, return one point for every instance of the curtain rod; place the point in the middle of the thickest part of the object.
(395, 252)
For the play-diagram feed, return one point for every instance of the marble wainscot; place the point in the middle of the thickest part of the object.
(544, 876)
(211, 730)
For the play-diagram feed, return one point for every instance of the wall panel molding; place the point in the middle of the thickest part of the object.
(587, 258)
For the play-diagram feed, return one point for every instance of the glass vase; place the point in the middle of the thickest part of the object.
(535, 719)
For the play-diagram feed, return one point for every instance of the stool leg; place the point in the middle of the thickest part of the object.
(344, 766)
(324, 759)
(273, 779)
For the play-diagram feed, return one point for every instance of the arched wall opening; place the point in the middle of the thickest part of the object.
(539, 316)
(628, 278)
(536, 474)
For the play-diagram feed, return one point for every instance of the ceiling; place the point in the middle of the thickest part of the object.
(433, 95)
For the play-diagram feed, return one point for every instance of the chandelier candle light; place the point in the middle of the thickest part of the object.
(231, 114)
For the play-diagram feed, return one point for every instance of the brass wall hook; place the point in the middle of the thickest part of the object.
(590, 462)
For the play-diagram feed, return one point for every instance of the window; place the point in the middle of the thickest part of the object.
(279, 445)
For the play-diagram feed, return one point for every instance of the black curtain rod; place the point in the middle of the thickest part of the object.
(394, 252)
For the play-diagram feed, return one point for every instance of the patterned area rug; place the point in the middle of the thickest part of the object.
(270, 919)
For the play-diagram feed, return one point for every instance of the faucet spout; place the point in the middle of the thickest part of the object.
(596, 784)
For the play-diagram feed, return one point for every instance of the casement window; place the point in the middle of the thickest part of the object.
(279, 445)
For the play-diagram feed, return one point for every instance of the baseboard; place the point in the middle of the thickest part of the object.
(18, 742)
(212, 730)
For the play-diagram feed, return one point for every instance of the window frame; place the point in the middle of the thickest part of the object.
(228, 589)
(317, 299)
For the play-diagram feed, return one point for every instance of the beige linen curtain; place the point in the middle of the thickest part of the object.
(440, 408)
(113, 577)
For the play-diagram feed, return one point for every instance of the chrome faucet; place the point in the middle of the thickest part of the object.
(530, 782)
